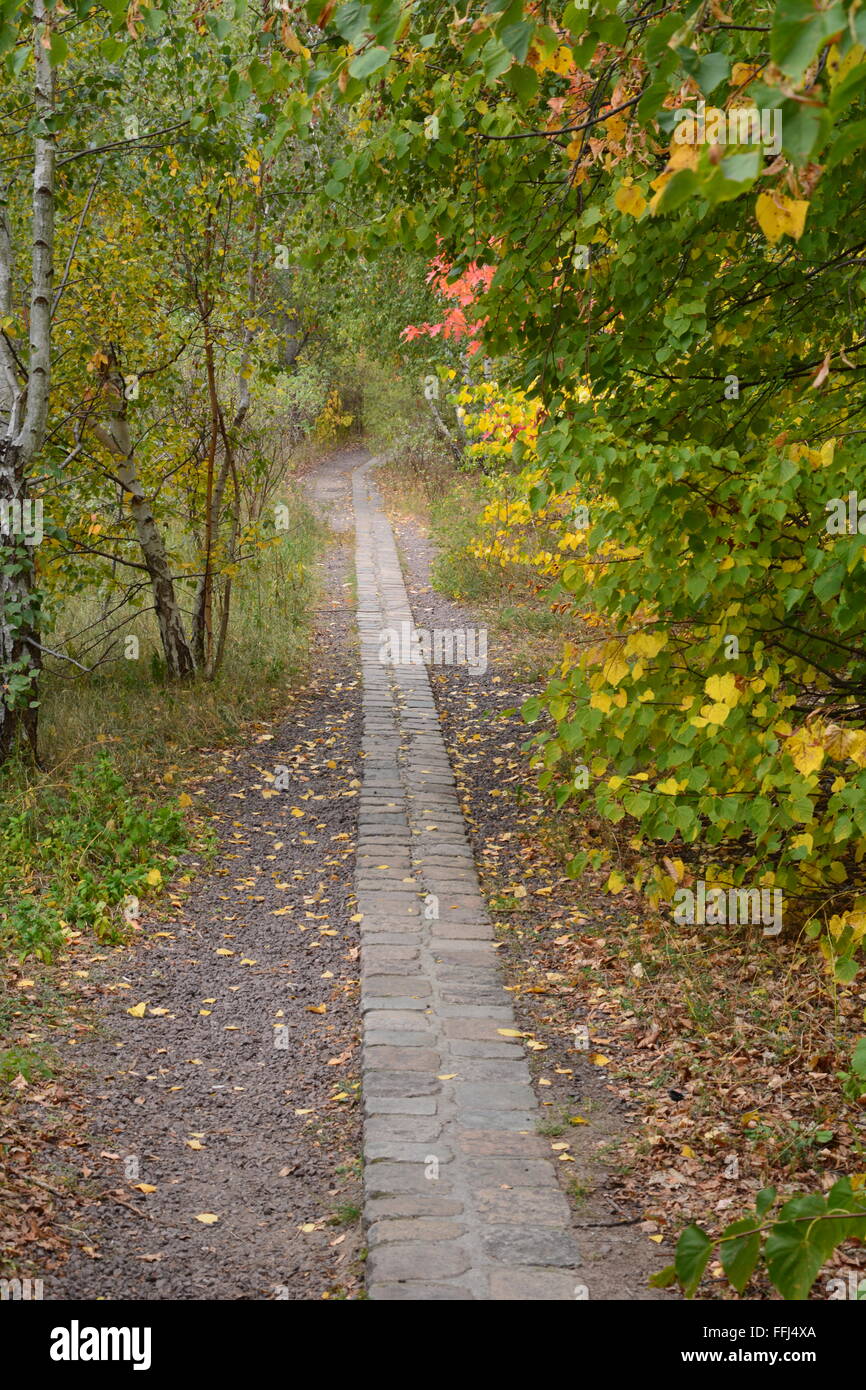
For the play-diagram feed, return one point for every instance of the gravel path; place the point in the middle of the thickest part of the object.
(236, 1094)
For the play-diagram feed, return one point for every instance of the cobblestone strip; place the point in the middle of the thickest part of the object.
(461, 1198)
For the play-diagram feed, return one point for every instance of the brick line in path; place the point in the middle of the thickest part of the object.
(461, 1198)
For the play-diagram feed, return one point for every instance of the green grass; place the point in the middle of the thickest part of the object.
(23, 1061)
(72, 850)
(345, 1215)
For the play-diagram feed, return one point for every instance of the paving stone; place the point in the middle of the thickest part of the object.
(401, 1083)
(462, 1047)
(495, 1095)
(536, 1285)
(500, 1016)
(413, 1128)
(401, 1151)
(403, 1058)
(476, 1029)
(511, 1172)
(397, 1019)
(374, 1003)
(513, 1121)
(513, 1069)
(394, 1037)
(418, 1291)
(385, 955)
(414, 1228)
(492, 1143)
(405, 1260)
(530, 1245)
(468, 930)
(399, 1105)
(522, 1206)
(412, 1204)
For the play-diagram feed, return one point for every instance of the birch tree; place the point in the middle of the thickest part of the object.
(26, 379)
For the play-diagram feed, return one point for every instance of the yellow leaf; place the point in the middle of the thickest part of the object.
(144, 1187)
(194, 1144)
(806, 753)
(509, 1032)
(184, 800)
(722, 689)
(317, 1008)
(630, 200)
(742, 73)
(616, 882)
(780, 216)
(615, 669)
(223, 952)
(715, 714)
(598, 1060)
(207, 1218)
(645, 644)
(137, 1010)
(669, 787)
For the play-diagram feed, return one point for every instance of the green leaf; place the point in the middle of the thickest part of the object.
(368, 62)
(523, 82)
(693, 1251)
(517, 38)
(764, 1200)
(804, 130)
(664, 1278)
(352, 21)
(800, 30)
(739, 1255)
(796, 1250)
(677, 190)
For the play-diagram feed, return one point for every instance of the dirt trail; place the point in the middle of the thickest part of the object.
(222, 1097)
